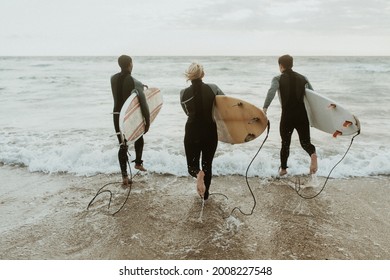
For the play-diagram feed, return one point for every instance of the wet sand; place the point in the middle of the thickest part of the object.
(45, 216)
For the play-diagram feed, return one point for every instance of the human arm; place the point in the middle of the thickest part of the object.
(216, 89)
(143, 103)
(308, 85)
(117, 106)
(271, 93)
(183, 103)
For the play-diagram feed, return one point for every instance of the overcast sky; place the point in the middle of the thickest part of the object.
(194, 27)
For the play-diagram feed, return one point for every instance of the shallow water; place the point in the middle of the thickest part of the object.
(56, 114)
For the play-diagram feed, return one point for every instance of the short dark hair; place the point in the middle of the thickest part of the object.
(286, 61)
(124, 61)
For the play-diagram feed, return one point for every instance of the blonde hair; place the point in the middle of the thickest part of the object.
(194, 71)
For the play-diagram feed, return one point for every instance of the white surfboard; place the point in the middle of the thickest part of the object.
(131, 120)
(329, 116)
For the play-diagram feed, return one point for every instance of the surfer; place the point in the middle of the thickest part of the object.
(291, 87)
(122, 85)
(201, 138)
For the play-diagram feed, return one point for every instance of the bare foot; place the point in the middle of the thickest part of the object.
(200, 187)
(313, 164)
(125, 181)
(282, 172)
(140, 167)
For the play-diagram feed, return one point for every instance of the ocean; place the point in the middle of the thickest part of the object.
(56, 116)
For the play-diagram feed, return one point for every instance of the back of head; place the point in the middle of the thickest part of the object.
(194, 71)
(286, 61)
(124, 61)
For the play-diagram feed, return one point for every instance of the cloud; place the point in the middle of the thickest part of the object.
(311, 16)
(99, 27)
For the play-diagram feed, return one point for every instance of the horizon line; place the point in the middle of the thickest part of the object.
(201, 55)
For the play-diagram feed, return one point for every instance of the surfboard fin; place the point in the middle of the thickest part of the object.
(332, 106)
(253, 120)
(337, 133)
(250, 137)
(347, 124)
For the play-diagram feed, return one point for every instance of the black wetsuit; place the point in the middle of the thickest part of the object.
(201, 137)
(294, 116)
(122, 85)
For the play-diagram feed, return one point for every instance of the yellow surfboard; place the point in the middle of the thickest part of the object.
(238, 121)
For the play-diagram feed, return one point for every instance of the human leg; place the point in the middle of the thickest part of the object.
(313, 163)
(193, 152)
(208, 151)
(139, 147)
(122, 153)
(123, 159)
(304, 138)
(200, 186)
(286, 131)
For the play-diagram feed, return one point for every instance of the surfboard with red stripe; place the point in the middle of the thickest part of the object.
(329, 116)
(131, 121)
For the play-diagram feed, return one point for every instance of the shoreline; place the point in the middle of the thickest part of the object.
(45, 216)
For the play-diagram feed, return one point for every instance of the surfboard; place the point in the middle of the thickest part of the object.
(329, 116)
(238, 121)
(131, 120)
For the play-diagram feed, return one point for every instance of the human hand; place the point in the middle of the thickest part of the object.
(147, 125)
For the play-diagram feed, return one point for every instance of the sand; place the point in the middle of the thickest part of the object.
(45, 216)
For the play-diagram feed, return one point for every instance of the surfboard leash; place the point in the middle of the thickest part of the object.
(102, 190)
(246, 178)
(298, 184)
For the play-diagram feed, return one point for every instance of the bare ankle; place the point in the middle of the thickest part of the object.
(282, 171)
(200, 186)
(125, 180)
(313, 163)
